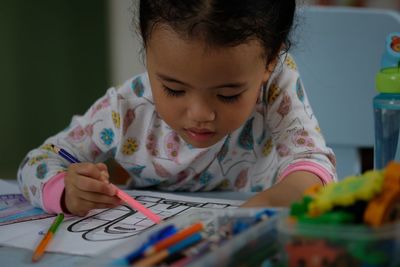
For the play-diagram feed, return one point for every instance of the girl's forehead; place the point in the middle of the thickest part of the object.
(170, 49)
(199, 64)
(165, 34)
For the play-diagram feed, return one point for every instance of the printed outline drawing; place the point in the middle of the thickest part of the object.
(123, 222)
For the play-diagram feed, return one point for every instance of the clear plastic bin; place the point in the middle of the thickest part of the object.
(251, 247)
(310, 245)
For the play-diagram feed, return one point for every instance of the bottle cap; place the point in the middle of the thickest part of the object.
(388, 79)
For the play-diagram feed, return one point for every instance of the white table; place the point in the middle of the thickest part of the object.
(22, 257)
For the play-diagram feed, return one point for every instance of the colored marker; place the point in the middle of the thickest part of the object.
(137, 205)
(153, 239)
(163, 254)
(179, 236)
(121, 194)
(40, 249)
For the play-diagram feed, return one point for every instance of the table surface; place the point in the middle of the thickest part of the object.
(19, 257)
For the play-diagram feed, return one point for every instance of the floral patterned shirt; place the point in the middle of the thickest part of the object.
(281, 134)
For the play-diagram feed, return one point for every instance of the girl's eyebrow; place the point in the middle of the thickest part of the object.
(225, 85)
(172, 80)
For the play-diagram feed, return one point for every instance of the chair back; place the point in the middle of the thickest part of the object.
(338, 52)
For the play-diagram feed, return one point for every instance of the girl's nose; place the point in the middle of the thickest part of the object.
(201, 111)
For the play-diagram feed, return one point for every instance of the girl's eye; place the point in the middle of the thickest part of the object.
(174, 93)
(229, 99)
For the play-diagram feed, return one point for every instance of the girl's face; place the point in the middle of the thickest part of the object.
(203, 92)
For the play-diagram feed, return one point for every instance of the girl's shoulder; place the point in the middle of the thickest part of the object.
(286, 68)
(136, 87)
(285, 73)
(133, 93)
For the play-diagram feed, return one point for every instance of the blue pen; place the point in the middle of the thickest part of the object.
(244, 223)
(65, 154)
(185, 243)
(154, 238)
(73, 159)
(265, 214)
(240, 226)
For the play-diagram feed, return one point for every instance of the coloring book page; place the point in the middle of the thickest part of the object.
(105, 228)
(15, 208)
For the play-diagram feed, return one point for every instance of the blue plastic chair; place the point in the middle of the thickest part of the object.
(338, 52)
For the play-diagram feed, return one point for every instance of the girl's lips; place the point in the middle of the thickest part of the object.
(200, 134)
(199, 130)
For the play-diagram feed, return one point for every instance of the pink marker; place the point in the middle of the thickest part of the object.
(137, 205)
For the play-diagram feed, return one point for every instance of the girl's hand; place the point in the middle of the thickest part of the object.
(284, 193)
(87, 187)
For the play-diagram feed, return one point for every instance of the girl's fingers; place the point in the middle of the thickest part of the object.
(88, 184)
(80, 202)
(85, 206)
(103, 172)
(102, 166)
(87, 187)
(99, 198)
(90, 170)
(90, 177)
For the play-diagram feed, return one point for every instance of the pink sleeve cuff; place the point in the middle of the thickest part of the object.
(52, 192)
(309, 166)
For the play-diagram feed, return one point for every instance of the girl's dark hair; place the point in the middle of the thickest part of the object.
(223, 22)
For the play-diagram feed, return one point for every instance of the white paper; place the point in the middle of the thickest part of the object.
(106, 228)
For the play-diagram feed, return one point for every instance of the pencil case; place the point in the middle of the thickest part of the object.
(255, 246)
(231, 237)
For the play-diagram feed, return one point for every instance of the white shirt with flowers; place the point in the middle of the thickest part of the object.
(124, 125)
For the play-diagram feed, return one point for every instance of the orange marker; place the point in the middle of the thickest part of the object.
(156, 258)
(165, 243)
(40, 249)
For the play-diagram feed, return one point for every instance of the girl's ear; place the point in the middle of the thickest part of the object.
(269, 69)
(272, 64)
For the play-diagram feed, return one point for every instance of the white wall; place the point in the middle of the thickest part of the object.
(125, 47)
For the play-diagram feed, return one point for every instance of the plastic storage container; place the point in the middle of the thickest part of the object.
(387, 105)
(251, 247)
(310, 245)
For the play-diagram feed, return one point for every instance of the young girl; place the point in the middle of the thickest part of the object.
(221, 107)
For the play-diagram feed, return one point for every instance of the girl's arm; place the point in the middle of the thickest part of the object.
(92, 138)
(284, 193)
(304, 159)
